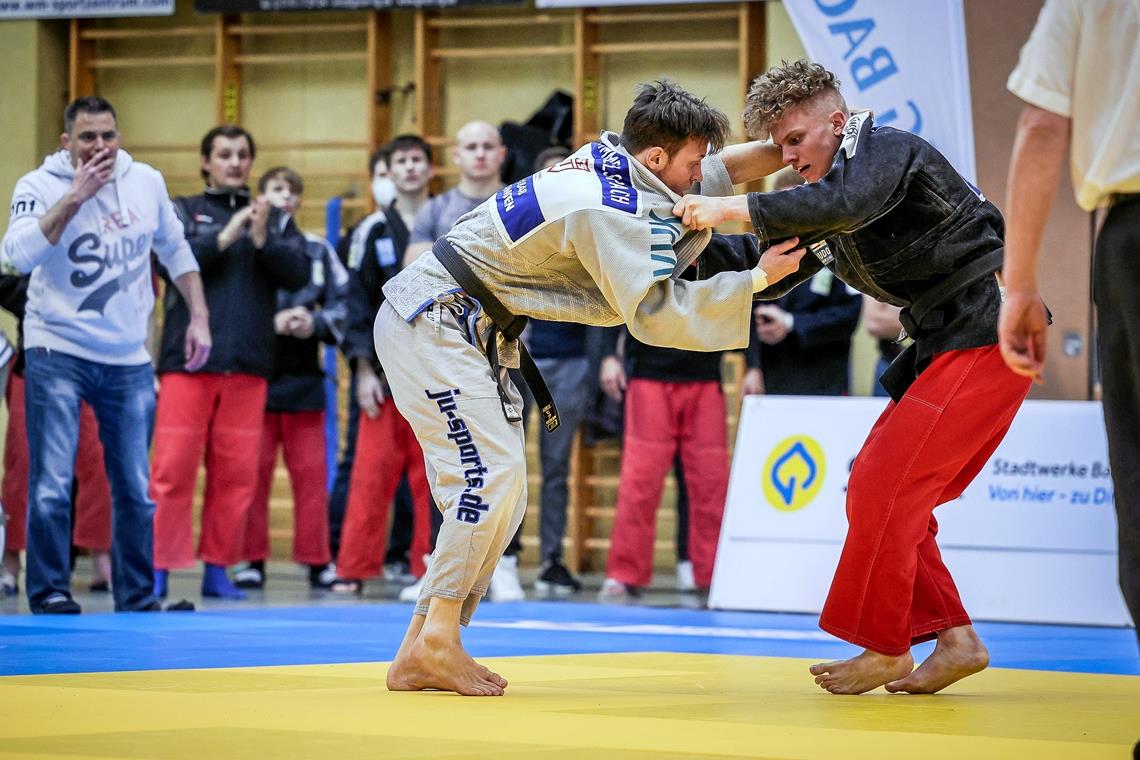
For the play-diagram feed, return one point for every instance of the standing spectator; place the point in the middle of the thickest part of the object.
(881, 320)
(1079, 76)
(801, 344)
(247, 251)
(83, 225)
(295, 410)
(383, 194)
(92, 530)
(386, 450)
(674, 405)
(479, 153)
(559, 352)
(613, 378)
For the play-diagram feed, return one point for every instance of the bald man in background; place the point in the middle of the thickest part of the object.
(479, 154)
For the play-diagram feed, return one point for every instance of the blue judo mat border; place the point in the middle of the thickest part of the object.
(371, 633)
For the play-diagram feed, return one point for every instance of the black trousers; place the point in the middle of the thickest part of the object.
(1116, 293)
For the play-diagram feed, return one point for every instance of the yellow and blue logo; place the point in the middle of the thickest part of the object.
(793, 473)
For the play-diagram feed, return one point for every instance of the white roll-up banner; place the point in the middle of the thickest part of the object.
(1033, 539)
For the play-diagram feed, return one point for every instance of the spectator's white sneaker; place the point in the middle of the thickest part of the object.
(505, 586)
(614, 590)
(412, 593)
(686, 583)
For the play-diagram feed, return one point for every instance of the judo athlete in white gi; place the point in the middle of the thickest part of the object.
(590, 240)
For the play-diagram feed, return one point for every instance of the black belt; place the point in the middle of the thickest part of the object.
(510, 325)
(924, 314)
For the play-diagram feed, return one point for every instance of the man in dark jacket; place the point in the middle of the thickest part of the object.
(246, 254)
(801, 342)
(890, 216)
(306, 320)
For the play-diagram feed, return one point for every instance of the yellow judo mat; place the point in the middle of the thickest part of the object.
(639, 705)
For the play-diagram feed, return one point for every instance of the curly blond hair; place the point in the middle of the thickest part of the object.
(783, 87)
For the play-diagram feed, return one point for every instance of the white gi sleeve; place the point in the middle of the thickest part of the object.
(623, 256)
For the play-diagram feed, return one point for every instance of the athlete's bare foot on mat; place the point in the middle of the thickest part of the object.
(861, 673)
(432, 657)
(958, 653)
(443, 665)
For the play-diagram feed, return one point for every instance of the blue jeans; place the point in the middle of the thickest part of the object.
(123, 400)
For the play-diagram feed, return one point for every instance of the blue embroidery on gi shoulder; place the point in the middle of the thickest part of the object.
(612, 169)
(518, 209)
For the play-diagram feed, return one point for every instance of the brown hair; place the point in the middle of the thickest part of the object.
(784, 87)
(667, 116)
(224, 130)
(286, 175)
(92, 104)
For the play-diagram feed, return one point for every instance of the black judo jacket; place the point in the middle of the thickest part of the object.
(893, 219)
(241, 286)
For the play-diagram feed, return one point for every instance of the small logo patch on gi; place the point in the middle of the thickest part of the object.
(822, 251)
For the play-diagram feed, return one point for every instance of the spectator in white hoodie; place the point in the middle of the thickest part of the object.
(84, 225)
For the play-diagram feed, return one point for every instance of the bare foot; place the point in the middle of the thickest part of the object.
(435, 664)
(958, 653)
(861, 673)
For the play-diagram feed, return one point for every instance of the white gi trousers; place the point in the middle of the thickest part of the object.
(441, 381)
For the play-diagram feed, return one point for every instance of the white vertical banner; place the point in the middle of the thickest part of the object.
(903, 59)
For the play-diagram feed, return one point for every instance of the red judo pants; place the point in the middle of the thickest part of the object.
(660, 419)
(221, 414)
(891, 588)
(386, 448)
(301, 436)
(92, 528)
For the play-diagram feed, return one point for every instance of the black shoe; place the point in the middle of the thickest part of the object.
(322, 576)
(556, 579)
(182, 605)
(59, 604)
(252, 576)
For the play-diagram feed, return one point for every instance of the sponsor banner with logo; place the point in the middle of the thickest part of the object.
(12, 9)
(1032, 539)
(274, 6)
(903, 59)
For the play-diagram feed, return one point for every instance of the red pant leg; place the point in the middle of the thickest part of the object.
(233, 450)
(256, 546)
(648, 445)
(182, 420)
(916, 450)
(93, 491)
(935, 604)
(303, 436)
(704, 459)
(375, 474)
(14, 487)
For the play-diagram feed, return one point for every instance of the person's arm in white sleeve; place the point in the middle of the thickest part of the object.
(709, 315)
(34, 229)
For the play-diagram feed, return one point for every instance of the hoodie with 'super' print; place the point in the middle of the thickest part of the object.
(90, 294)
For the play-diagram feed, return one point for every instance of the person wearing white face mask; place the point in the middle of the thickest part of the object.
(373, 250)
